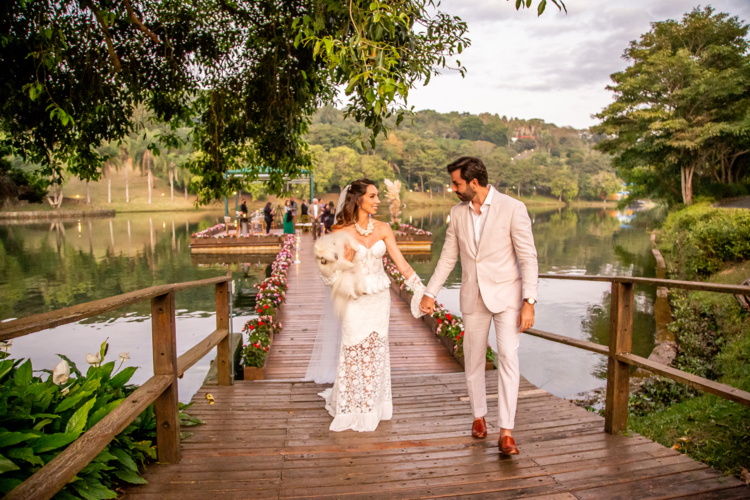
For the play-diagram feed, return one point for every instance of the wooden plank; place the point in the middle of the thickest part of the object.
(223, 348)
(52, 319)
(685, 285)
(700, 383)
(196, 353)
(46, 482)
(618, 373)
(581, 344)
(164, 339)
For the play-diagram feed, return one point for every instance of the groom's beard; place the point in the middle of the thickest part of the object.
(467, 195)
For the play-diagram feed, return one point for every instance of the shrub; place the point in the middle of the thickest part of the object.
(40, 418)
(699, 340)
(698, 240)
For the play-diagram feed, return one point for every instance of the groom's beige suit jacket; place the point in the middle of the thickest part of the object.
(504, 266)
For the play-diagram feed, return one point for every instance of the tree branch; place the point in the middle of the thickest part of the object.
(107, 36)
(138, 22)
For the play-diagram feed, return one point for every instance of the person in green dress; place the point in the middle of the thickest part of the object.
(288, 220)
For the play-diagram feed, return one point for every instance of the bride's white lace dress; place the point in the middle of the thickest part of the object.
(361, 393)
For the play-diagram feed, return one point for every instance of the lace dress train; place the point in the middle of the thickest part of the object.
(361, 393)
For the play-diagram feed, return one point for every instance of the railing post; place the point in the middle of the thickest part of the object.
(223, 350)
(165, 363)
(618, 373)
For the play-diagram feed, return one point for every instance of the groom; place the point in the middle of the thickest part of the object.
(492, 234)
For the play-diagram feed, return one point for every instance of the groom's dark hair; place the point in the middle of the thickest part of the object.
(471, 168)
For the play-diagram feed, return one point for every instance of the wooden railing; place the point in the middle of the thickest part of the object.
(619, 357)
(161, 389)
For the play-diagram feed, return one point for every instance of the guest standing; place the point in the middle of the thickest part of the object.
(293, 207)
(288, 218)
(243, 218)
(315, 211)
(303, 209)
(268, 214)
(329, 217)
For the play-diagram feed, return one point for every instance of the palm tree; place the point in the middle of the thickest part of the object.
(113, 153)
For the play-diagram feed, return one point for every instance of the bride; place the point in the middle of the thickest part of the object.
(361, 393)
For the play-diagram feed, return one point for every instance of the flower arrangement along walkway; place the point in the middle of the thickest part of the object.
(270, 439)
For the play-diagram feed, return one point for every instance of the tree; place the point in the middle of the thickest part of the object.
(564, 185)
(683, 103)
(470, 128)
(605, 184)
(18, 184)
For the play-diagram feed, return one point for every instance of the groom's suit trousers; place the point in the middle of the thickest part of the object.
(477, 329)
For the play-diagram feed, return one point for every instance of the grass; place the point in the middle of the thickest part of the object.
(709, 428)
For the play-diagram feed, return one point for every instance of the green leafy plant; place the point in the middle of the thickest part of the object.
(40, 417)
(699, 240)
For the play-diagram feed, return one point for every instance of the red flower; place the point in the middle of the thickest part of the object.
(448, 317)
(440, 320)
(265, 306)
(252, 327)
(261, 323)
(266, 348)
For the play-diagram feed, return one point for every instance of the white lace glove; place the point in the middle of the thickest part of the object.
(417, 288)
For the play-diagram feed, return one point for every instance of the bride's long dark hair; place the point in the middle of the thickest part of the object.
(349, 211)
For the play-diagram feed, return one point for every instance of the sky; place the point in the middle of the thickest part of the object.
(554, 67)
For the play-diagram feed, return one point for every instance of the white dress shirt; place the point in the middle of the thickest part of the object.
(315, 211)
(478, 219)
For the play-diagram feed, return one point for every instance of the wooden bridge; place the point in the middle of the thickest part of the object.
(270, 439)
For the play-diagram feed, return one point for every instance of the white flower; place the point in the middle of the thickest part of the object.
(93, 360)
(5, 345)
(61, 373)
(124, 356)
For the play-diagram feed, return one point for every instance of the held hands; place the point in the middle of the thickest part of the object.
(526, 318)
(427, 305)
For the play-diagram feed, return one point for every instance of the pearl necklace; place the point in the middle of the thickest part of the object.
(365, 232)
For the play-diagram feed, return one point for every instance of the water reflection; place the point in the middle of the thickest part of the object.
(47, 266)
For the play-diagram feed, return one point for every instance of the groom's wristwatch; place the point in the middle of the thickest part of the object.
(530, 300)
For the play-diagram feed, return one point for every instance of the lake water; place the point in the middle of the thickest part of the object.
(49, 265)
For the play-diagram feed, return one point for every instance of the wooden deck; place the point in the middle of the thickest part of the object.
(414, 348)
(270, 439)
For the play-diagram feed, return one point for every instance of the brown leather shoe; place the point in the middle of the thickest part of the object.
(507, 446)
(479, 428)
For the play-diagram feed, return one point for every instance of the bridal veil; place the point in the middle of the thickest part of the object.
(325, 355)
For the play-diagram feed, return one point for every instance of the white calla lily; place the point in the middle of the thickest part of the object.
(92, 359)
(124, 356)
(61, 373)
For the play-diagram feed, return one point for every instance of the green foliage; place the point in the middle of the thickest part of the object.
(707, 427)
(417, 151)
(681, 108)
(39, 419)
(699, 337)
(699, 240)
(16, 183)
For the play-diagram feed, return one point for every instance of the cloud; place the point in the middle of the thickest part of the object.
(554, 67)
